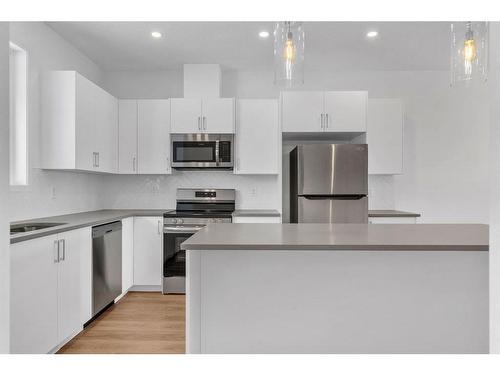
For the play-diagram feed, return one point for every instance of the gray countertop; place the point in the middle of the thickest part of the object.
(423, 237)
(266, 213)
(80, 220)
(391, 213)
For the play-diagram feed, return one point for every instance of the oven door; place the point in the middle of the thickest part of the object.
(174, 259)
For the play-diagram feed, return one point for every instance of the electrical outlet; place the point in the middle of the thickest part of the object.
(253, 192)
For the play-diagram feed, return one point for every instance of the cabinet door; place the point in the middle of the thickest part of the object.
(384, 136)
(148, 243)
(257, 137)
(153, 151)
(86, 130)
(185, 115)
(217, 115)
(127, 136)
(108, 153)
(302, 110)
(127, 253)
(33, 292)
(345, 111)
(74, 245)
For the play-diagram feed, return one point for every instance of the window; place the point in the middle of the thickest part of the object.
(18, 117)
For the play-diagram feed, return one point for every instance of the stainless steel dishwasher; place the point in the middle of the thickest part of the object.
(106, 265)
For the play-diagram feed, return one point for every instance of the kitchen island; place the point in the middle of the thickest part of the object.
(342, 288)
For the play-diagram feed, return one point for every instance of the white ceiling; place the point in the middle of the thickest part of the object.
(236, 45)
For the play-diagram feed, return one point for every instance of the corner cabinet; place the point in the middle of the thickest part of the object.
(385, 136)
(144, 137)
(207, 115)
(258, 138)
(50, 294)
(79, 127)
(318, 111)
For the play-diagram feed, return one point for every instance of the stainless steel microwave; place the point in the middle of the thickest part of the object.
(202, 151)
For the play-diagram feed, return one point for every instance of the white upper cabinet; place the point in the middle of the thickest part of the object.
(345, 111)
(79, 129)
(302, 111)
(127, 136)
(257, 140)
(185, 115)
(385, 136)
(107, 133)
(318, 111)
(208, 115)
(217, 115)
(153, 141)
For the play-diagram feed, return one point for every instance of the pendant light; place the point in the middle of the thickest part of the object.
(289, 54)
(469, 52)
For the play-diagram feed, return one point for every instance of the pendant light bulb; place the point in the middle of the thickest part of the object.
(289, 49)
(470, 49)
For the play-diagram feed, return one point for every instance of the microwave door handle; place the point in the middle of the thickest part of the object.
(217, 152)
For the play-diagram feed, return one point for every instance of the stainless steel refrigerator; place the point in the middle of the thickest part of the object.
(329, 183)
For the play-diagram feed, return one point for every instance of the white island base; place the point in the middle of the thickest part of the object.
(316, 301)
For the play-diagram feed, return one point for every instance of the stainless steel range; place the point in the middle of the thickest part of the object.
(195, 208)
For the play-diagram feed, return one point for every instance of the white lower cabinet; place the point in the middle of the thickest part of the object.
(257, 219)
(127, 254)
(46, 290)
(148, 244)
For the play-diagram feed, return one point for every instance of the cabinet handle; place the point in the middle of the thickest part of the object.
(94, 163)
(204, 123)
(98, 161)
(63, 256)
(168, 164)
(321, 121)
(56, 251)
(133, 163)
(159, 227)
(199, 123)
(327, 120)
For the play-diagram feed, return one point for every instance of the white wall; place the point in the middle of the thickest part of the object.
(494, 100)
(73, 191)
(4, 187)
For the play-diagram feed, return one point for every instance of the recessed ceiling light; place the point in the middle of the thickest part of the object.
(372, 34)
(264, 34)
(156, 34)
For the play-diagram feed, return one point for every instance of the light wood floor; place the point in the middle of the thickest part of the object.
(140, 322)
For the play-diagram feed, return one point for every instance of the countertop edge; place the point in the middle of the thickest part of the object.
(120, 215)
(339, 247)
(256, 213)
(391, 213)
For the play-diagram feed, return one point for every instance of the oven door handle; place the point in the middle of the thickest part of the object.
(179, 229)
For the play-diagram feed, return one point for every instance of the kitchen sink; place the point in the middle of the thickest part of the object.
(29, 227)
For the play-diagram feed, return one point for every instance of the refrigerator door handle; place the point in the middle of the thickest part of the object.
(349, 197)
